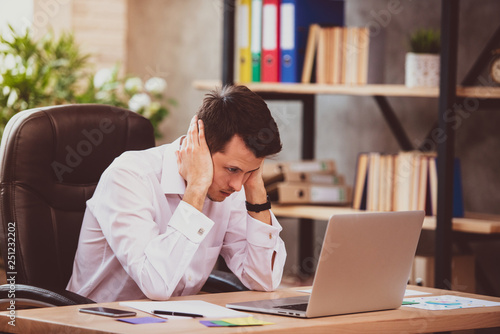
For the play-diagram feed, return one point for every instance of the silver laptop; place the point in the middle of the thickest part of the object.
(364, 265)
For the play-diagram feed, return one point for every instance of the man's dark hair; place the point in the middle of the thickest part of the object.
(236, 110)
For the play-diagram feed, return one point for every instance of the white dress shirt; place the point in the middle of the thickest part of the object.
(140, 240)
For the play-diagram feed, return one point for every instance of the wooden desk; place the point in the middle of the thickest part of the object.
(403, 320)
(479, 224)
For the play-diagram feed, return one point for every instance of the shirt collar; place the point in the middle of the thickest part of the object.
(171, 181)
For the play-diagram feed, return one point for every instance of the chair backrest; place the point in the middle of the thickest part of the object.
(51, 160)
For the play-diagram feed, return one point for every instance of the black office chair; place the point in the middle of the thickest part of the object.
(51, 160)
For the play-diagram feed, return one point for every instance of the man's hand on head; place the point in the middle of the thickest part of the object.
(195, 164)
(255, 190)
(255, 193)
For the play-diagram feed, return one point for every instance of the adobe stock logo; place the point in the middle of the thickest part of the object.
(85, 147)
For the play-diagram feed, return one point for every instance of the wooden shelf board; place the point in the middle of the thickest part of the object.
(479, 92)
(360, 90)
(486, 225)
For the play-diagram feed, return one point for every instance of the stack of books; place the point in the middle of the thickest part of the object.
(305, 182)
(400, 182)
(340, 54)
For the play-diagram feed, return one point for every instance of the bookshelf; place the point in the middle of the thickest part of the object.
(362, 90)
(471, 223)
(448, 93)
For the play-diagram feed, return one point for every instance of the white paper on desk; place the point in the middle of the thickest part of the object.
(448, 302)
(408, 292)
(208, 310)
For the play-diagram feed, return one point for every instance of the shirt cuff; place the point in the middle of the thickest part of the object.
(191, 222)
(261, 234)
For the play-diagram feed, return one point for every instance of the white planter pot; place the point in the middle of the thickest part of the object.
(422, 70)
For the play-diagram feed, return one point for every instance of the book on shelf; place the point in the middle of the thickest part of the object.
(339, 53)
(321, 56)
(363, 43)
(423, 183)
(335, 73)
(270, 41)
(256, 39)
(373, 182)
(400, 182)
(296, 18)
(360, 182)
(310, 53)
(458, 203)
(244, 11)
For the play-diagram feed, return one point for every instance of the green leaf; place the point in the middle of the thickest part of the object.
(425, 41)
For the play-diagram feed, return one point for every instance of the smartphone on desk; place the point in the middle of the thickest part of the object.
(108, 312)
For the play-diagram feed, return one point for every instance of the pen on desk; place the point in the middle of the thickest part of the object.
(178, 314)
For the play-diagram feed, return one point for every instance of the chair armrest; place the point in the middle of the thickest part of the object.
(222, 281)
(28, 296)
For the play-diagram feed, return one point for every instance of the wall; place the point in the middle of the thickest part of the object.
(181, 41)
(52, 15)
(99, 27)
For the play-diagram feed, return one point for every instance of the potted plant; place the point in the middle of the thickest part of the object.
(422, 62)
(52, 71)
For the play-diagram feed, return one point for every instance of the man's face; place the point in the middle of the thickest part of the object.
(231, 169)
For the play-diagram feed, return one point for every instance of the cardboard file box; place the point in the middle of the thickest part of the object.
(302, 193)
(275, 171)
(314, 177)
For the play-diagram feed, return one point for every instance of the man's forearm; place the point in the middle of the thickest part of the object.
(195, 195)
(258, 196)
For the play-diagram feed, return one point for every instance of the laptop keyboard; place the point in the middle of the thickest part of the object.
(297, 307)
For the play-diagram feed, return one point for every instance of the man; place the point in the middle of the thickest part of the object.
(159, 218)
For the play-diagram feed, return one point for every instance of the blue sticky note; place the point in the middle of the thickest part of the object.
(143, 320)
(209, 323)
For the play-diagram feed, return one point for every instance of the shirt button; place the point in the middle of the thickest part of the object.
(201, 231)
(189, 278)
(270, 236)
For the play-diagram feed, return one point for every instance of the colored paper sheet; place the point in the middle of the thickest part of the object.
(209, 323)
(447, 302)
(408, 303)
(142, 320)
(222, 323)
(216, 323)
(233, 322)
